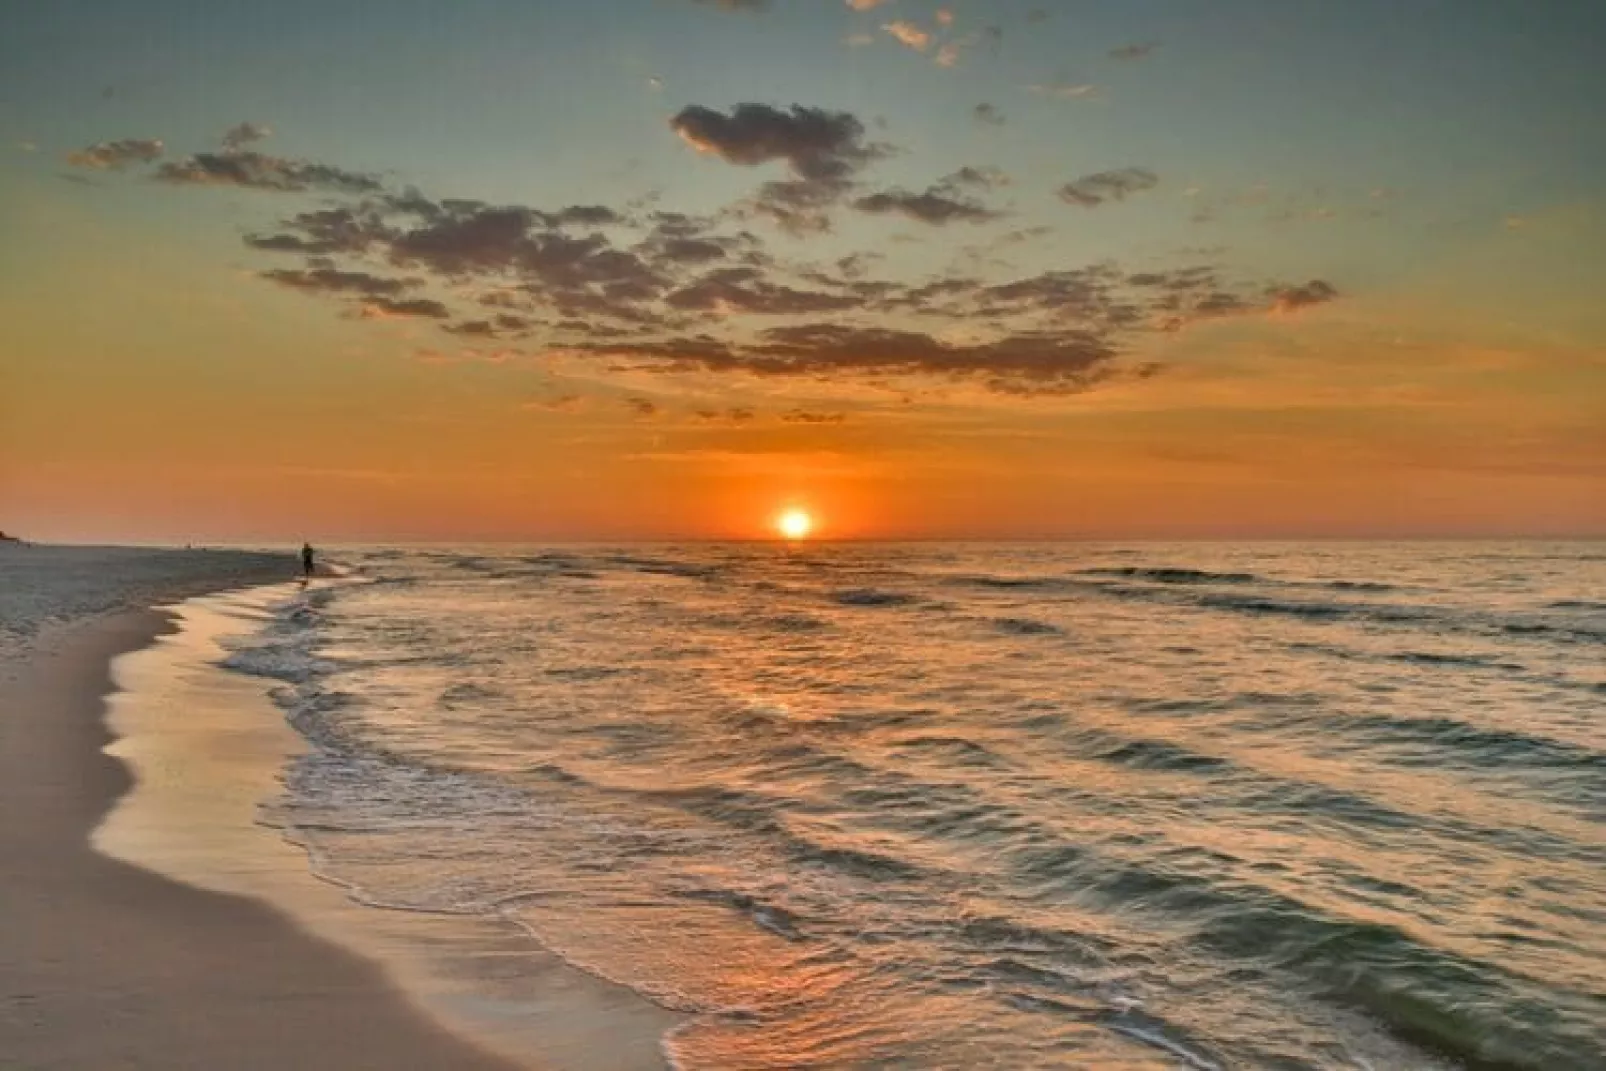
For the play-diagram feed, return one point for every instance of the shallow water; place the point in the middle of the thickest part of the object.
(1283, 806)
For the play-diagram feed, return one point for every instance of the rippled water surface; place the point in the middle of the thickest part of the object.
(1281, 806)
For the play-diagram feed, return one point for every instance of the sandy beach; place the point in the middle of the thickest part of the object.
(105, 965)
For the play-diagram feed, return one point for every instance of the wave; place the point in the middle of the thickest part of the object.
(1024, 626)
(1171, 575)
(1007, 582)
(872, 597)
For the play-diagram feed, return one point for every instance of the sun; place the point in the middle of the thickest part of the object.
(794, 524)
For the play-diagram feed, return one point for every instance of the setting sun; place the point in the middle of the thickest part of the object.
(794, 524)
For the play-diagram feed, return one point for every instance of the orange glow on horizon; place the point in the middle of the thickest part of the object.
(794, 524)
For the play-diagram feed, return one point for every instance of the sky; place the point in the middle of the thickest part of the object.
(641, 269)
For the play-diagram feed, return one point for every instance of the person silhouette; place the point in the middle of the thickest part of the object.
(307, 562)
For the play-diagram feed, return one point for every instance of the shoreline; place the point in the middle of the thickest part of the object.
(103, 963)
(209, 810)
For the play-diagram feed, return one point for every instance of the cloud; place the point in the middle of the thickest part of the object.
(944, 16)
(239, 136)
(642, 407)
(816, 144)
(1134, 51)
(258, 171)
(1090, 191)
(324, 278)
(383, 308)
(116, 155)
(745, 290)
(1037, 362)
(646, 289)
(1293, 298)
(733, 415)
(824, 150)
(865, 5)
(804, 416)
(988, 114)
(1070, 91)
(557, 403)
(907, 33)
(945, 202)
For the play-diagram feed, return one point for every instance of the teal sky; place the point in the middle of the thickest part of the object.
(1399, 205)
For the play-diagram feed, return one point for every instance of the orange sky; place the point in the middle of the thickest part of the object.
(1399, 340)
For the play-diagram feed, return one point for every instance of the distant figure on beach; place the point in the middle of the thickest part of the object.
(307, 562)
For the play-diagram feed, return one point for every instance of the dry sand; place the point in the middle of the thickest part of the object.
(104, 965)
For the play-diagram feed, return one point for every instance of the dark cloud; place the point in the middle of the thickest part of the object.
(1090, 191)
(326, 279)
(1037, 362)
(381, 307)
(944, 202)
(667, 291)
(1315, 292)
(642, 407)
(324, 231)
(258, 171)
(823, 149)
(733, 415)
(239, 136)
(989, 114)
(804, 416)
(816, 143)
(471, 328)
(932, 206)
(1133, 52)
(745, 290)
(116, 155)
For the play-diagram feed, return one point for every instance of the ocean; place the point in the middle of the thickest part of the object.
(1323, 805)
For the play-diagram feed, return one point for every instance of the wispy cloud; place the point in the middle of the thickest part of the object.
(1090, 191)
(116, 155)
(907, 33)
(1065, 91)
(988, 114)
(1133, 51)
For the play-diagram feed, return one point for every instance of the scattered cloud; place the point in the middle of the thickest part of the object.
(823, 149)
(988, 114)
(116, 155)
(865, 5)
(556, 403)
(383, 308)
(816, 143)
(1293, 298)
(1065, 91)
(804, 416)
(239, 136)
(947, 201)
(1134, 51)
(325, 278)
(944, 16)
(1090, 191)
(258, 171)
(732, 415)
(643, 289)
(908, 34)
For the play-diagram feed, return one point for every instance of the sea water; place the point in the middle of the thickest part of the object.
(1264, 805)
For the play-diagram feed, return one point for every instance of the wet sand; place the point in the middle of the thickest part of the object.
(106, 965)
